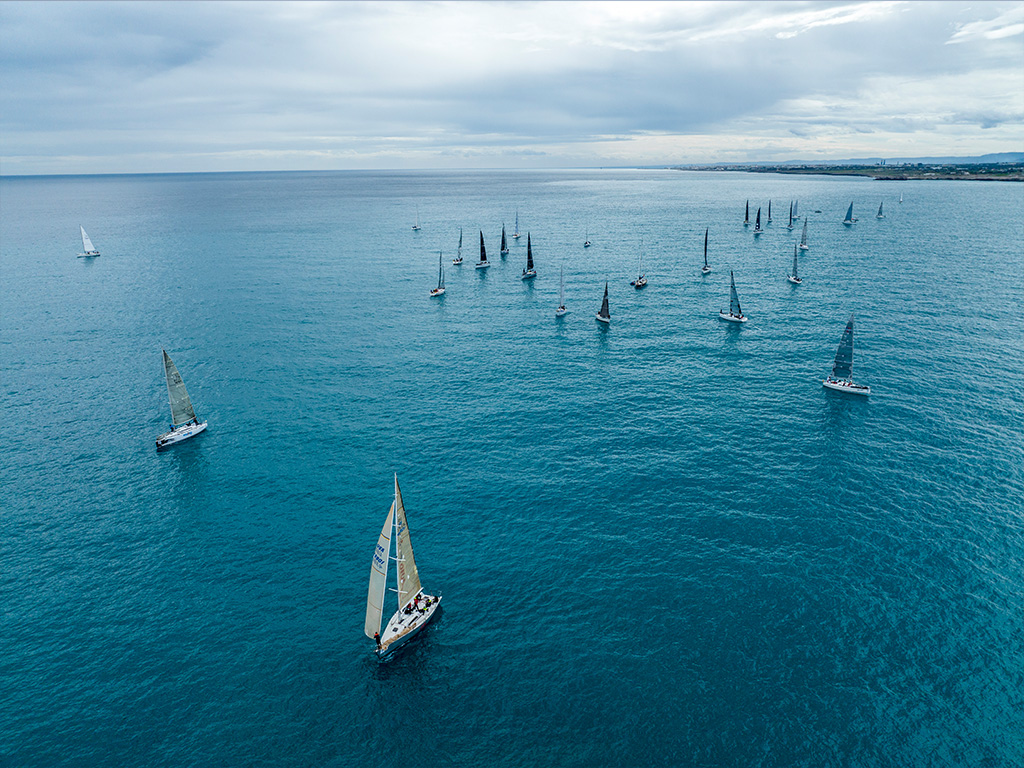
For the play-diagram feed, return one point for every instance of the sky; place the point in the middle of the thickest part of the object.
(138, 87)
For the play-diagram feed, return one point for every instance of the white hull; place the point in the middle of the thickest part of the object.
(639, 283)
(416, 229)
(88, 254)
(847, 386)
(483, 265)
(528, 275)
(437, 292)
(181, 433)
(516, 236)
(794, 280)
(731, 318)
(805, 247)
(561, 311)
(758, 232)
(848, 223)
(456, 261)
(705, 270)
(605, 320)
(404, 626)
(586, 244)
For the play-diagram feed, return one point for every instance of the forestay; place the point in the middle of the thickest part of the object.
(181, 405)
(378, 578)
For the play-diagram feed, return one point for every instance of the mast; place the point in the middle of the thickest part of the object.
(803, 238)
(459, 255)
(790, 225)
(440, 272)
(561, 286)
(795, 248)
(483, 251)
(769, 211)
(529, 254)
(705, 247)
(746, 214)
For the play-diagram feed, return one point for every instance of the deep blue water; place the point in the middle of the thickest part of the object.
(660, 543)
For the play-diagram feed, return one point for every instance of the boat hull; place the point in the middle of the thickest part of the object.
(179, 434)
(586, 244)
(846, 386)
(403, 627)
(638, 284)
(528, 275)
(484, 265)
(89, 255)
(437, 292)
(731, 318)
(794, 280)
(705, 270)
(456, 261)
(605, 320)
(561, 312)
(805, 247)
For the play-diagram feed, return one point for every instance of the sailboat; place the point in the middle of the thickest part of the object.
(796, 210)
(483, 263)
(841, 378)
(794, 278)
(641, 278)
(735, 314)
(440, 278)
(603, 315)
(880, 215)
(184, 422)
(516, 235)
(458, 256)
(746, 215)
(561, 293)
(769, 211)
(88, 250)
(415, 609)
(757, 225)
(504, 243)
(529, 271)
(849, 216)
(705, 269)
(803, 238)
(586, 240)
(790, 225)
(416, 227)
(901, 197)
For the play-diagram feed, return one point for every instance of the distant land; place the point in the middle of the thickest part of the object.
(1002, 166)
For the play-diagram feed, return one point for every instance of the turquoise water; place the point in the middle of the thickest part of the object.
(660, 543)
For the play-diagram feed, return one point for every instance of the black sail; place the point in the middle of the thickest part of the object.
(604, 304)
(529, 254)
(843, 367)
(483, 251)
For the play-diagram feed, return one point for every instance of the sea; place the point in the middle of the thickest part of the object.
(659, 542)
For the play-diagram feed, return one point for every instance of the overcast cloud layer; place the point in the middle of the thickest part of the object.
(139, 87)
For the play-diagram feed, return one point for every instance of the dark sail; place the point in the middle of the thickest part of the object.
(790, 215)
(734, 298)
(483, 251)
(529, 254)
(843, 367)
(604, 304)
(757, 224)
(705, 247)
(746, 214)
(504, 244)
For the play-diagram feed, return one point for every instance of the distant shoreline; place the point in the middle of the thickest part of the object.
(906, 172)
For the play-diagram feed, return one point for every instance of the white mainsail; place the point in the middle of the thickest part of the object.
(87, 245)
(378, 578)
(408, 576)
(181, 405)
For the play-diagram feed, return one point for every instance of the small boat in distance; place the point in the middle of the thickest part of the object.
(516, 235)
(735, 314)
(849, 216)
(841, 378)
(458, 256)
(483, 263)
(641, 278)
(803, 238)
(746, 215)
(504, 243)
(561, 293)
(184, 422)
(796, 210)
(794, 278)
(529, 271)
(880, 215)
(586, 240)
(790, 225)
(416, 227)
(901, 197)
(757, 225)
(603, 315)
(88, 249)
(415, 609)
(769, 212)
(705, 269)
(440, 278)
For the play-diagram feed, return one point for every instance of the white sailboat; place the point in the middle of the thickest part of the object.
(735, 314)
(458, 256)
(603, 315)
(641, 278)
(803, 238)
(440, 278)
(184, 422)
(483, 263)
(705, 269)
(415, 609)
(880, 215)
(503, 251)
(88, 249)
(757, 225)
(561, 293)
(529, 272)
(849, 216)
(794, 278)
(416, 227)
(516, 235)
(841, 378)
